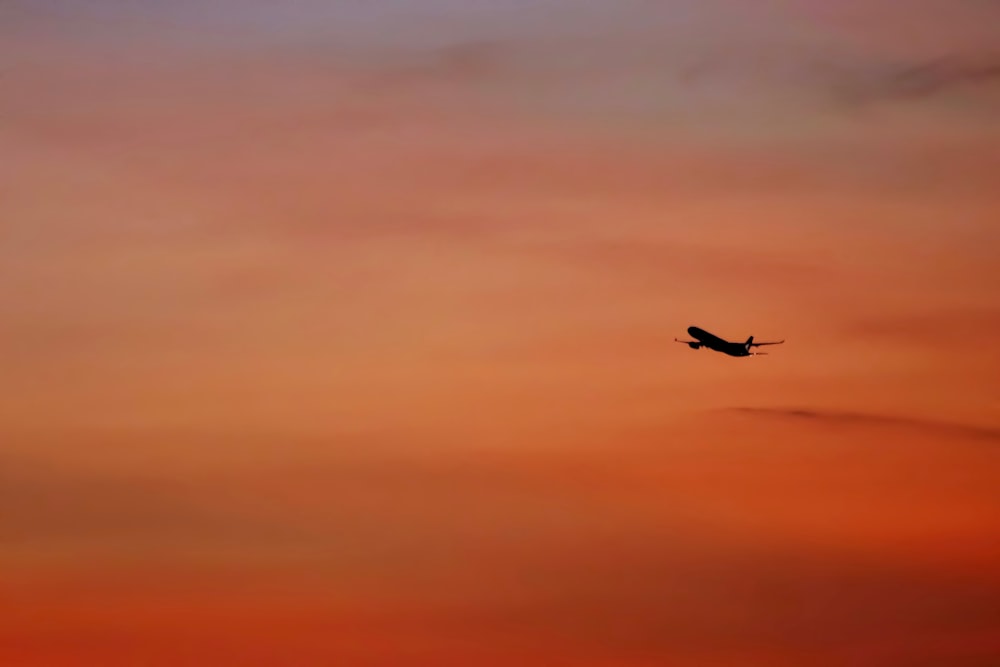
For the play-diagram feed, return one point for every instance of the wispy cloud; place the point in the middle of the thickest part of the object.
(842, 79)
(861, 418)
(942, 326)
(649, 258)
(65, 507)
(920, 80)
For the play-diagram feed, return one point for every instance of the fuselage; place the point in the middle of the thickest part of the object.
(713, 342)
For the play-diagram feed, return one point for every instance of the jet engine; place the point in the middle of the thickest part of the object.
(694, 346)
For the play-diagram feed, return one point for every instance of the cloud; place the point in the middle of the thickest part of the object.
(644, 255)
(463, 63)
(860, 418)
(56, 506)
(973, 326)
(919, 80)
(603, 553)
(672, 595)
(847, 79)
(668, 263)
(620, 595)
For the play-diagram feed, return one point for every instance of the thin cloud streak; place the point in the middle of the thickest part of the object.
(862, 419)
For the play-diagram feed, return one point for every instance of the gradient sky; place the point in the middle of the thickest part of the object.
(341, 333)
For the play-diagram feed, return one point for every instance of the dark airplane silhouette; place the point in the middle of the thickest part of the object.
(704, 339)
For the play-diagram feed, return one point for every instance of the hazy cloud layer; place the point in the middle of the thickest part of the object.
(698, 549)
(379, 300)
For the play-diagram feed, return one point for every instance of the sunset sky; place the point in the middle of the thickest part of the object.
(341, 333)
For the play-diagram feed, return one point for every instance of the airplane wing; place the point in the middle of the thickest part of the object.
(687, 342)
(773, 342)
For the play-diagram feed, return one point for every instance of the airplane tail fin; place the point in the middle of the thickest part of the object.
(749, 342)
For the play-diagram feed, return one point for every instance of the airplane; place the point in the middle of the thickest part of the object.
(734, 349)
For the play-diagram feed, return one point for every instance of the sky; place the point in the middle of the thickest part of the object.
(342, 333)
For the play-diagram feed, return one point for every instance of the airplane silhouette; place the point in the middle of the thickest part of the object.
(734, 349)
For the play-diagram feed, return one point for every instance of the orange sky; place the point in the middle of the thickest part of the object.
(342, 334)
